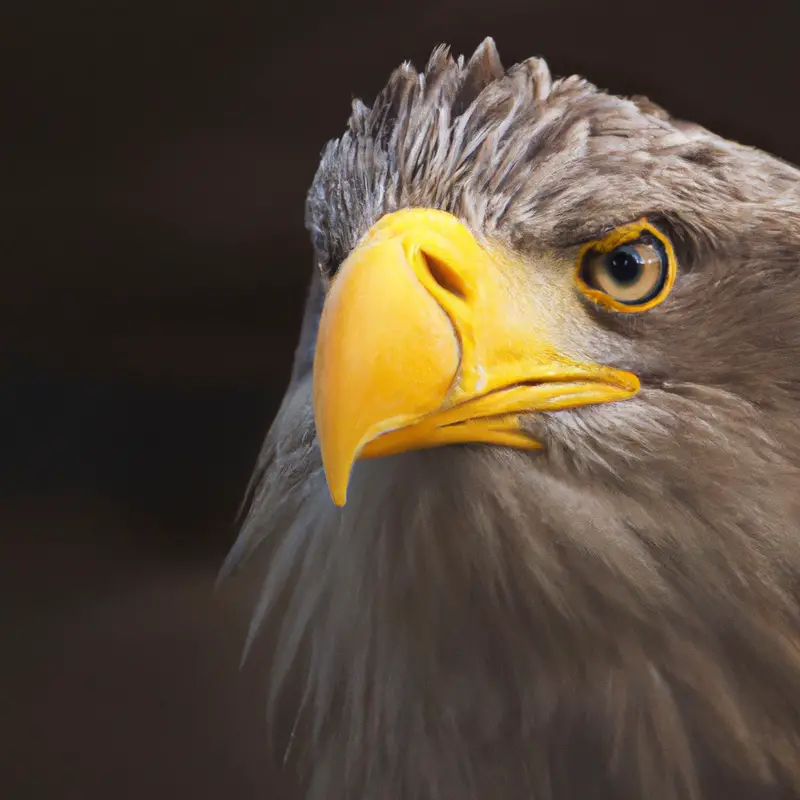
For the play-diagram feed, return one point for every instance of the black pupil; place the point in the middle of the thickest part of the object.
(625, 265)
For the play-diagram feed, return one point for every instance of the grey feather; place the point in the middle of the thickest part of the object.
(613, 617)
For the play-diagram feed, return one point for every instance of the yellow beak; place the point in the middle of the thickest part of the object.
(428, 338)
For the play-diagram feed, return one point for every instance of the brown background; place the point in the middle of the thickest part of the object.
(153, 162)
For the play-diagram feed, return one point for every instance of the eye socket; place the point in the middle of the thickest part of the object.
(631, 269)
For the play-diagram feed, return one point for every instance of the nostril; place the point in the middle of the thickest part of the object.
(445, 276)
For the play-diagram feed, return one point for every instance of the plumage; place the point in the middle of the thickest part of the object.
(612, 616)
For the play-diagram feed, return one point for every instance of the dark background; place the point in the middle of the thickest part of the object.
(154, 158)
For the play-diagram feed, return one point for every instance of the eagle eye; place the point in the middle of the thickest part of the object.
(630, 269)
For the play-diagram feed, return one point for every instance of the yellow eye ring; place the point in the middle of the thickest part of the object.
(631, 269)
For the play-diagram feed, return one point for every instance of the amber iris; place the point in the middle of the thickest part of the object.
(631, 269)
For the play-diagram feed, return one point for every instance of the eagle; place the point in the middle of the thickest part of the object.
(529, 513)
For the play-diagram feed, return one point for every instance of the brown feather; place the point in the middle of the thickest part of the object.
(615, 616)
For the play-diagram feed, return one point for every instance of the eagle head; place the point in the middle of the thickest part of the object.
(530, 509)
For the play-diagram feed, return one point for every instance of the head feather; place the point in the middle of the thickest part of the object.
(617, 616)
